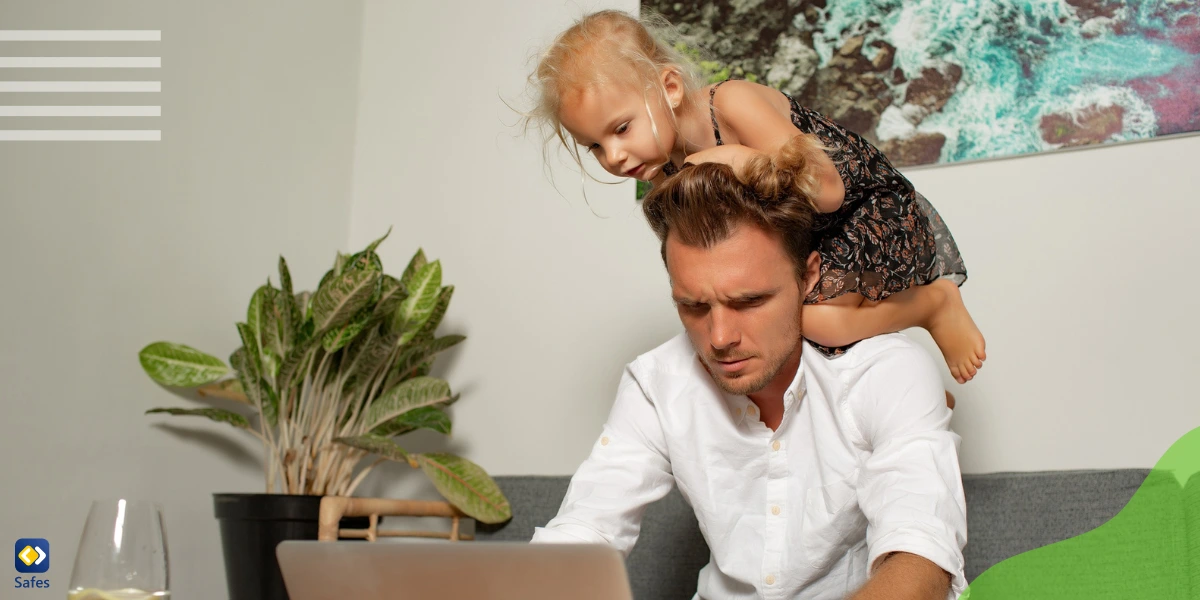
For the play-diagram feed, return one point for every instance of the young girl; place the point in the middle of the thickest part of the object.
(888, 262)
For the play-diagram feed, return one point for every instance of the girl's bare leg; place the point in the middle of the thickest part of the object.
(936, 307)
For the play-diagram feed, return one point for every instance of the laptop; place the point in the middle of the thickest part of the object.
(357, 570)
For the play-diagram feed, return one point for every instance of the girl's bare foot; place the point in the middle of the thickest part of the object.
(960, 341)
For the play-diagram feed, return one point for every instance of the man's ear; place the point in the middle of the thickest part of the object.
(672, 83)
(812, 273)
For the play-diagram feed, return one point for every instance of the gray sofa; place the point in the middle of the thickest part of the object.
(1007, 514)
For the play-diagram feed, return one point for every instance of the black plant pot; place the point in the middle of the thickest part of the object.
(252, 525)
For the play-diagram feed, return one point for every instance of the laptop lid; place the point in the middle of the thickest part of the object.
(450, 570)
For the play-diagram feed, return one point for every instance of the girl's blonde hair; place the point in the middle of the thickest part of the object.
(606, 48)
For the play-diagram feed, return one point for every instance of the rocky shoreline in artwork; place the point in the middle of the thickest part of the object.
(851, 72)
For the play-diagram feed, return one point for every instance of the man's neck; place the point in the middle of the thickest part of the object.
(769, 400)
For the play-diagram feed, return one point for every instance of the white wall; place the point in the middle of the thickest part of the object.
(110, 246)
(1080, 264)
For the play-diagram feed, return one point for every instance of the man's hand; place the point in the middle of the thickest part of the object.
(904, 576)
(734, 155)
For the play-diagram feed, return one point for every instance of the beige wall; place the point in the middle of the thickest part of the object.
(109, 246)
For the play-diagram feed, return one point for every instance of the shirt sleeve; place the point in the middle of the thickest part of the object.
(910, 485)
(627, 470)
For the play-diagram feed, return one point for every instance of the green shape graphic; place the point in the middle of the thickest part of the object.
(1150, 549)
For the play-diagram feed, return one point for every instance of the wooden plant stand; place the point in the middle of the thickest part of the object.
(333, 508)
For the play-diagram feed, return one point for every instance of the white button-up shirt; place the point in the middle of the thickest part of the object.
(863, 463)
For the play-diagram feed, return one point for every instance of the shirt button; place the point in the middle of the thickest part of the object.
(604, 441)
(770, 580)
(737, 412)
(775, 510)
(775, 445)
(751, 410)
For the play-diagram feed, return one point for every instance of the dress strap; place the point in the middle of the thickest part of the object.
(712, 93)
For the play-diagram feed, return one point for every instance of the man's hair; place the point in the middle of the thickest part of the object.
(702, 204)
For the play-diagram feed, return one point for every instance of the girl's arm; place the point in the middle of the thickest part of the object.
(748, 118)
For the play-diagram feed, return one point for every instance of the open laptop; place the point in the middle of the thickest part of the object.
(354, 570)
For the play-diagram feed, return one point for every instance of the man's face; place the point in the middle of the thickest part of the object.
(740, 303)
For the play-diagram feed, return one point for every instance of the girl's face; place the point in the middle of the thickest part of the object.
(613, 123)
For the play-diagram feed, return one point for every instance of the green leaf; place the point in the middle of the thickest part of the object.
(467, 486)
(257, 391)
(435, 318)
(338, 337)
(427, 417)
(391, 294)
(418, 260)
(280, 334)
(179, 365)
(217, 414)
(376, 444)
(263, 360)
(422, 351)
(289, 370)
(256, 315)
(365, 260)
(304, 306)
(375, 244)
(340, 300)
(289, 297)
(339, 263)
(414, 393)
(423, 294)
(366, 355)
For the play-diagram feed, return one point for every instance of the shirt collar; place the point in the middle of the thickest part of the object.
(742, 408)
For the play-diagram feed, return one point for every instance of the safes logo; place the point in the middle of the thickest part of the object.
(32, 555)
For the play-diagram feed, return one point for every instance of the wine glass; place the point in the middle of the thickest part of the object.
(122, 553)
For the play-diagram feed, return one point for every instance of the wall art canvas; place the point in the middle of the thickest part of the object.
(946, 81)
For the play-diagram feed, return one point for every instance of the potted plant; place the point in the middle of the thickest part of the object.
(328, 378)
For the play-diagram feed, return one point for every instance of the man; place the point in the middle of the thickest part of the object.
(811, 477)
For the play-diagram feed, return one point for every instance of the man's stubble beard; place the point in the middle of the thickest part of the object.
(742, 387)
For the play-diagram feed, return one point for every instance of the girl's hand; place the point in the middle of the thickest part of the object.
(734, 155)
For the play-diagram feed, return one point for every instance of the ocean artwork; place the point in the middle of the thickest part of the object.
(946, 81)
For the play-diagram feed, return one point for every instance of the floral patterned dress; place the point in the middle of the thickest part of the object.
(886, 237)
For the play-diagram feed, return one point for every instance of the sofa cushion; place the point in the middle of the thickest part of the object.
(1007, 514)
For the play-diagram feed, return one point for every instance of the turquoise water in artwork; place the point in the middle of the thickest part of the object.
(1023, 60)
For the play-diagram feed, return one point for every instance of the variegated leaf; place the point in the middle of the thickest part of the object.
(420, 352)
(216, 414)
(375, 244)
(376, 444)
(435, 318)
(257, 391)
(367, 355)
(467, 486)
(289, 370)
(288, 296)
(427, 417)
(304, 307)
(414, 393)
(282, 332)
(391, 294)
(414, 264)
(338, 337)
(256, 315)
(338, 301)
(179, 365)
(423, 293)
